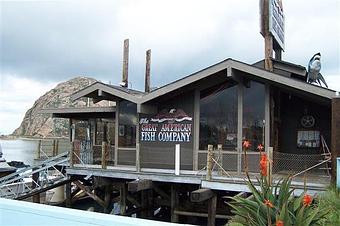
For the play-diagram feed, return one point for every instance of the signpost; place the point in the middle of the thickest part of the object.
(272, 28)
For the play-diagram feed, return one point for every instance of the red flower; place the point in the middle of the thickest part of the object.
(307, 200)
(268, 203)
(260, 147)
(263, 164)
(246, 144)
(279, 223)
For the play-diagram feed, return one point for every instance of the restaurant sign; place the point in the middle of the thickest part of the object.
(167, 126)
(277, 22)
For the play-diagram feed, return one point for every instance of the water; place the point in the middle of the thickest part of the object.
(19, 150)
(24, 150)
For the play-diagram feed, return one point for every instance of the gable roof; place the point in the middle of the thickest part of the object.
(101, 91)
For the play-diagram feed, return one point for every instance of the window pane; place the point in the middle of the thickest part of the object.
(218, 117)
(127, 124)
(253, 114)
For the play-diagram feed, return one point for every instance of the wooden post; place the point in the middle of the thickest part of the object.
(107, 198)
(71, 154)
(35, 181)
(220, 154)
(104, 151)
(68, 201)
(123, 194)
(268, 38)
(212, 210)
(53, 148)
(270, 165)
(147, 71)
(209, 162)
(57, 147)
(174, 203)
(125, 63)
(38, 150)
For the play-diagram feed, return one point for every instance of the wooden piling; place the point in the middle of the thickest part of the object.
(125, 63)
(53, 148)
(71, 154)
(38, 150)
(209, 162)
(123, 195)
(35, 182)
(68, 201)
(147, 71)
(212, 210)
(174, 203)
(107, 198)
(57, 147)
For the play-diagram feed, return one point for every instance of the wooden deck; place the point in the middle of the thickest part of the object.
(313, 184)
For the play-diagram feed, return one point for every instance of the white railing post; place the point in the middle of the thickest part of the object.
(177, 158)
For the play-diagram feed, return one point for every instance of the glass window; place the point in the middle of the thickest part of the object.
(127, 124)
(82, 130)
(218, 117)
(253, 114)
(105, 131)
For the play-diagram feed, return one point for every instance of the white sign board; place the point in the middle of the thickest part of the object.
(277, 22)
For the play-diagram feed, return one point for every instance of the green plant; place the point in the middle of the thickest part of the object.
(331, 200)
(275, 204)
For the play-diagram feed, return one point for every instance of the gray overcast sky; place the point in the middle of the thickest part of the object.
(46, 42)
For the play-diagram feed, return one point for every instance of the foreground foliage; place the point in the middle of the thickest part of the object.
(331, 200)
(276, 204)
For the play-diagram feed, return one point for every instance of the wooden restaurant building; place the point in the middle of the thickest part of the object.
(161, 137)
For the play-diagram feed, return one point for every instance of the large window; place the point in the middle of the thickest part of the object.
(253, 114)
(127, 124)
(218, 117)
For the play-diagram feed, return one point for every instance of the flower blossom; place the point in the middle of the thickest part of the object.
(263, 164)
(246, 144)
(260, 147)
(279, 223)
(268, 203)
(307, 200)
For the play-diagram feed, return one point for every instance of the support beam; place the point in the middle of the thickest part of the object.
(107, 199)
(201, 195)
(174, 204)
(123, 195)
(35, 183)
(161, 192)
(139, 185)
(68, 201)
(89, 193)
(212, 211)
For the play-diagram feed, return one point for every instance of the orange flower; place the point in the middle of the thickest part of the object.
(246, 144)
(268, 203)
(307, 200)
(260, 147)
(279, 223)
(263, 164)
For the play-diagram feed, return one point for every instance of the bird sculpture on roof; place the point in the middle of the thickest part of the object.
(313, 73)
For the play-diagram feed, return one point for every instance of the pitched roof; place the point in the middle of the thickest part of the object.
(101, 91)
